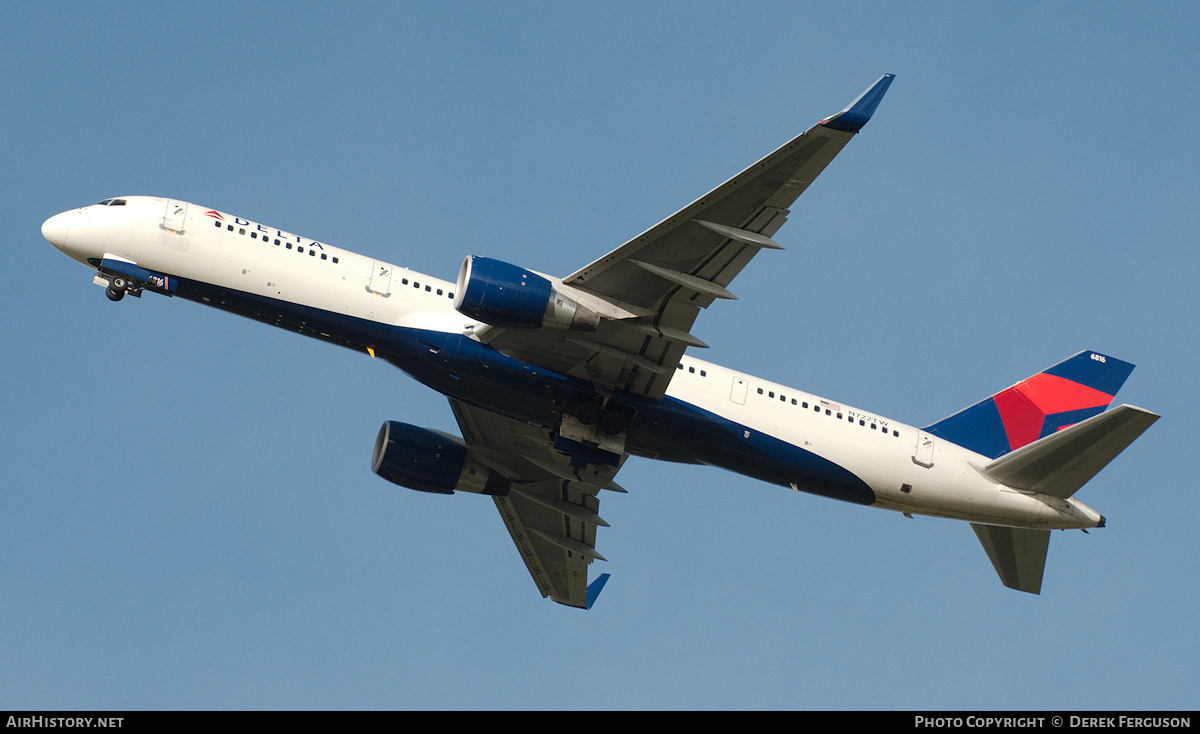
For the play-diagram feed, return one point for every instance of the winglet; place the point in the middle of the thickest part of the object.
(594, 588)
(852, 118)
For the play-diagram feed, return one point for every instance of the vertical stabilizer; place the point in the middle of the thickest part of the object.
(1069, 392)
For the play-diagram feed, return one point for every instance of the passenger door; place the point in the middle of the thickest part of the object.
(381, 278)
(174, 215)
(738, 393)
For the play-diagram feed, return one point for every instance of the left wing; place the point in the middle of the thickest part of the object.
(650, 290)
(551, 510)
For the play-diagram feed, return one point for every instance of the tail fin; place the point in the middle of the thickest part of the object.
(1073, 390)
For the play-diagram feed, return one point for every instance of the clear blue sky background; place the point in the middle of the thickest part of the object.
(187, 515)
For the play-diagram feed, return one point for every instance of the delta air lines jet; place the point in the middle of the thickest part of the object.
(556, 381)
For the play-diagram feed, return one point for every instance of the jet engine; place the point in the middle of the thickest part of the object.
(431, 461)
(510, 297)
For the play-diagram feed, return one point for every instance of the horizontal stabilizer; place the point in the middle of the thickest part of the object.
(1018, 554)
(1061, 463)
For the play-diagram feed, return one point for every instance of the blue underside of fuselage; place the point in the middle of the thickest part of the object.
(463, 369)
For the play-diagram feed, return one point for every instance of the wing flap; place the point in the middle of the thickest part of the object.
(755, 201)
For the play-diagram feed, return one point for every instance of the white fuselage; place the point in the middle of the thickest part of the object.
(907, 469)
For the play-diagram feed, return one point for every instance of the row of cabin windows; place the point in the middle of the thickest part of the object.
(804, 404)
(299, 248)
(828, 411)
(428, 289)
(313, 253)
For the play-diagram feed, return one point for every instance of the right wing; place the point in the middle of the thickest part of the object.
(651, 289)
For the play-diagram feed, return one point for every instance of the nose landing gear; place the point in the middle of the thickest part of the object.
(117, 287)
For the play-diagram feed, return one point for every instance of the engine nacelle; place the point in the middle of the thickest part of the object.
(431, 461)
(505, 295)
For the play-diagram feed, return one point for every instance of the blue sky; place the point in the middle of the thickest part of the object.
(187, 515)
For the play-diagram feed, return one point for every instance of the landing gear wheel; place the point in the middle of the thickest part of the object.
(613, 424)
(588, 413)
(117, 287)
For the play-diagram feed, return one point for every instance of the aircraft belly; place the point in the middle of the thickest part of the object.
(464, 369)
(673, 430)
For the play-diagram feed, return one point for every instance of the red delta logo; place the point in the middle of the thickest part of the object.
(1025, 407)
(214, 214)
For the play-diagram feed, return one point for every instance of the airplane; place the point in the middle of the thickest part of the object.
(555, 382)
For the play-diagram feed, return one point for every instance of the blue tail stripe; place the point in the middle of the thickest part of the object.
(977, 428)
(1095, 370)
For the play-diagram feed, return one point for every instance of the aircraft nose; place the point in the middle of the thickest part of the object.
(56, 228)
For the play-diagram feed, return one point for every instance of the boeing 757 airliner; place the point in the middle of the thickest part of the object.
(556, 381)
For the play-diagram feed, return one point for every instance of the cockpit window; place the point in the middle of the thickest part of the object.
(111, 202)
(106, 202)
